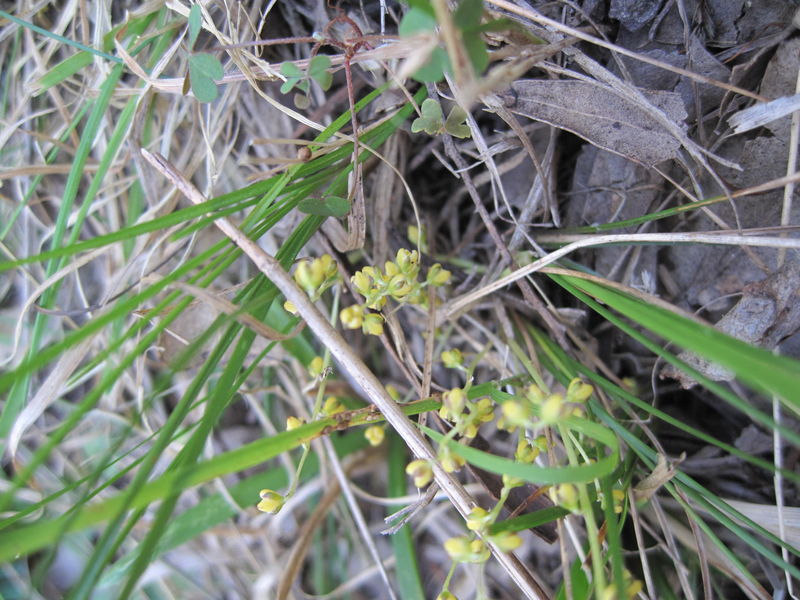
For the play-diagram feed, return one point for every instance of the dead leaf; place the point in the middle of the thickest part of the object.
(767, 313)
(661, 474)
(602, 117)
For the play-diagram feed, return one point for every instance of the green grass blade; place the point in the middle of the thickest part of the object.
(758, 368)
(409, 584)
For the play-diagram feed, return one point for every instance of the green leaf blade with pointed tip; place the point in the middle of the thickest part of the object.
(330, 206)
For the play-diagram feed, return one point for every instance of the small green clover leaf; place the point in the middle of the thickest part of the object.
(293, 76)
(195, 24)
(431, 120)
(329, 206)
(456, 124)
(204, 70)
(419, 20)
(318, 71)
(467, 18)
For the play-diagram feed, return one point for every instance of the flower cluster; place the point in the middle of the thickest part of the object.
(551, 408)
(467, 415)
(314, 276)
(399, 281)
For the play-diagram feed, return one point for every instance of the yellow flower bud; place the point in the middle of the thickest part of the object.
(485, 410)
(332, 406)
(421, 471)
(452, 359)
(515, 412)
(416, 235)
(449, 460)
(578, 391)
(509, 481)
(373, 324)
(398, 287)
(393, 393)
(352, 317)
(534, 394)
(437, 275)
(293, 423)
(458, 548)
(506, 541)
(462, 549)
(375, 435)
(446, 595)
(454, 401)
(525, 452)
(479, 519)
(315, 366)
(271, 501)
(566, 495)
(551, 409)
(328, 266)
(407, 261)
(470, 431)
(309, 275)
(289, 307)
(480, 552)
(391, 269)
(361, 282)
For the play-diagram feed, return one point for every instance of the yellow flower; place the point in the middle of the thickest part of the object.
(372, 324)
(479, 519)
(452, 359)
(289, 307)
(361, 282)
(454, 401)
(332, 406)
(515, 412)
(407, 261)
(462, 549)
(578, 391)
(315, 366)
(551, 409)
(375, 435)
(307, 277)
(534, 394)
(485, 410)
(293, 423)
(398, 287)
(271, 501)
(352, 316)
(450, 460)
(506, 541)
(421, 471)
(416, 236)
(566, 495)
(526, 453)
(437, 275)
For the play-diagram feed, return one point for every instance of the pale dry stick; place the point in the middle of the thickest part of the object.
(542, 20)
(457, 304)
(791, 167)
(353, 364)
(640, 545)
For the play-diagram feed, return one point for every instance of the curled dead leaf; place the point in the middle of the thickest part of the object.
(661, 474)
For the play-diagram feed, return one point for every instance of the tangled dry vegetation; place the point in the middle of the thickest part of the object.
(472, 299)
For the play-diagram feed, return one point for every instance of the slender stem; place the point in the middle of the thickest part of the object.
(352, 363)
